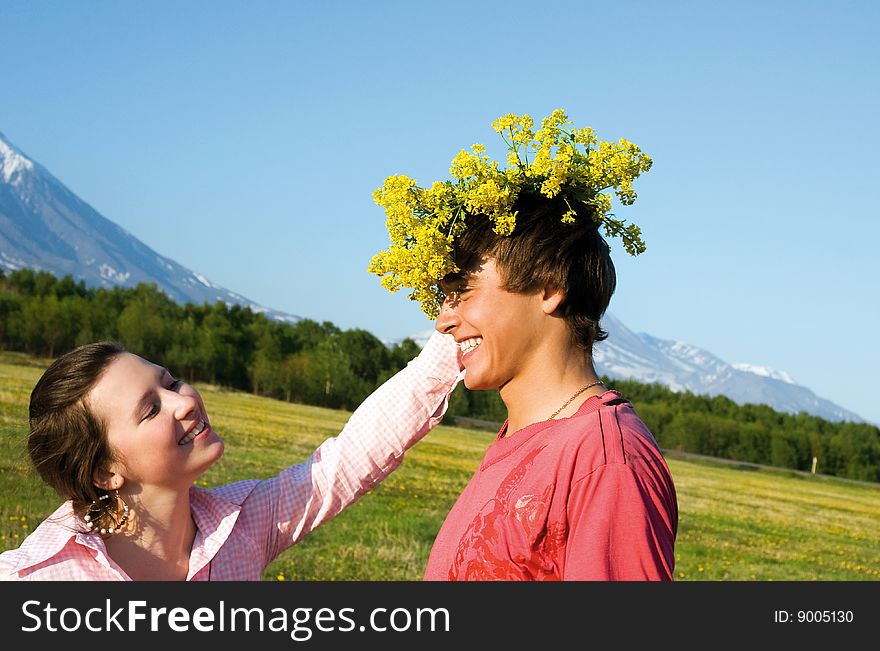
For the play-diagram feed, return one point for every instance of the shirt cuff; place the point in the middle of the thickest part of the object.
(440, 359)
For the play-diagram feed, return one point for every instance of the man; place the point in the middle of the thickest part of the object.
(574, 487)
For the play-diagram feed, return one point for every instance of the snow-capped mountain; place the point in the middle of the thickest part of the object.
(765, 371)
(682, 367)
(44, 226)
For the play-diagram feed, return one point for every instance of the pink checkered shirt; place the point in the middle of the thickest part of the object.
(243, 526)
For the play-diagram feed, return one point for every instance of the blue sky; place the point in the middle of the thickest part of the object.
(244, 140)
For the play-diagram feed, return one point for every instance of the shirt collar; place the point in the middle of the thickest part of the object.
(214, 516)
(51, 536)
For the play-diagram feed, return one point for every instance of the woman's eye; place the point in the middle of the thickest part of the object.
(154, 409)
(175, 385)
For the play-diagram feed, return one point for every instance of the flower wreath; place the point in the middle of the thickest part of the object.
(423, 223)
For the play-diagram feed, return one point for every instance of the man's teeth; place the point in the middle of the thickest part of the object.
(198, 429)
(469, 344)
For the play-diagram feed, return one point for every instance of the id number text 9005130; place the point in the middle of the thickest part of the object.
(813, 616)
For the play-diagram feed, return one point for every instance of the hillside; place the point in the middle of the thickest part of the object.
(45, 226)
(734, 524)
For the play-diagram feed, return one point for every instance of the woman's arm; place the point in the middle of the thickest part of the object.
(370, 446)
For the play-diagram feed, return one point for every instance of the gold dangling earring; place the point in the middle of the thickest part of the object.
(103, 519)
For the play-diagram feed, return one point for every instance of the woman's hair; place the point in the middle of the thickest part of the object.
(544, 251)
(68, 441)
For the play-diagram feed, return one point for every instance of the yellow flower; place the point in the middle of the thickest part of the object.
(423, 224)
(504, 123)
(464, 165)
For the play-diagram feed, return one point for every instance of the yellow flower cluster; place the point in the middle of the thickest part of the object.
(572, 163)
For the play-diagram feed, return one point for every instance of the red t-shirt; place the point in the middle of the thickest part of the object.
(583, 498)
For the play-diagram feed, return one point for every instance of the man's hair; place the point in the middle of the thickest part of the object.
(543, 251)
(68, 441)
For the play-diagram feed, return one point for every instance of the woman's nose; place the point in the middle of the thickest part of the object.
(448, 319)
(185, 406)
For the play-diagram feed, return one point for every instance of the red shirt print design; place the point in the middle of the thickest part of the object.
(510, 538)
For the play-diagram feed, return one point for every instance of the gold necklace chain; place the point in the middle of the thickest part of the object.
(568, 402)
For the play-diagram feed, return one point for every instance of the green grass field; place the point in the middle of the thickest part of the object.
(735, 524)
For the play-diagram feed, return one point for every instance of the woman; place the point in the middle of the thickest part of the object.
(123, 442)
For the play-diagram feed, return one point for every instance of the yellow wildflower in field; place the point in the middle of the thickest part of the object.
(423, 223)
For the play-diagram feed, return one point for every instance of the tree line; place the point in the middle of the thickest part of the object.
(320, 364)
(221, 344)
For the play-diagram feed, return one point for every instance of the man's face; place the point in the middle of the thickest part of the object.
(499, 332)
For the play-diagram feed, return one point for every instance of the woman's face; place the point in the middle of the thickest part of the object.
(157, 426)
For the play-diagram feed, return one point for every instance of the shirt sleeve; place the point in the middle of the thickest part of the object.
(618, 529)
(370, 446)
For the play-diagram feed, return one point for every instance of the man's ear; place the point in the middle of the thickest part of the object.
(108, 479)
(551, 299)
